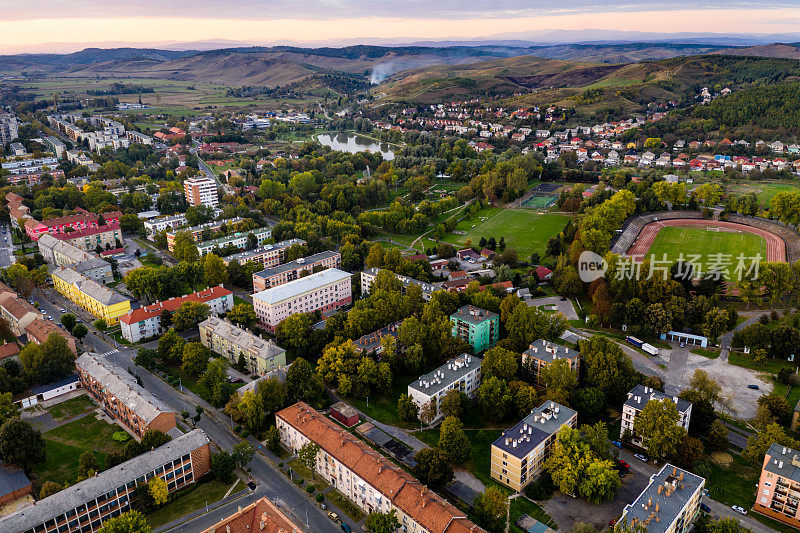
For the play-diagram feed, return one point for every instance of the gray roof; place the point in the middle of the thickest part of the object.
(534, 429)
(91, 264)
(372, 341)
(242, 338)
(123, 386)
(473, 315)
(96, 486)
(99, 292)
(65, 248)
(442, 377)
(677, 488)
(640, 395)
(222, 241)
(299, 286)
(296, 264)
(12, 479)
(245, 256)
(784, 462)
(549, 352)
(427, 288)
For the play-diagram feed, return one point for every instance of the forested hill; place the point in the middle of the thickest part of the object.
(768, 107)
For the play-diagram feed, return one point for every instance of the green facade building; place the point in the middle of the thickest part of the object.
(479, 327)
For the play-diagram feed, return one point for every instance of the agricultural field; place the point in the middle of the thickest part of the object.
(524, 230)
(673, 241)
(764, 190)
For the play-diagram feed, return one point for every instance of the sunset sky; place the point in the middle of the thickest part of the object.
(307, 21)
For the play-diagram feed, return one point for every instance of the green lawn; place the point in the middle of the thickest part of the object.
(770, 365)
(384, 408)
(310, 477)
(72, 407)
(524, 230)
(345, 505)
(711, 353)
(194, 497)
(481, 440)
(521, 506)
(673, 241)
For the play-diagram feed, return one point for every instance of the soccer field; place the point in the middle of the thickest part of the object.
(524, 230)
(705, 243)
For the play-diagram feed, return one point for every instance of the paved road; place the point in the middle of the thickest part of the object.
(7, 249)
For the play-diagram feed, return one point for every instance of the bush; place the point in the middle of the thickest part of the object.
(120, 436)
(280, 465)
(320, 498)
(300, 481)
(245, 433)
(310, 489)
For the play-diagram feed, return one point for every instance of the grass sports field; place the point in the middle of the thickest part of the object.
(700, 241)
(524, 230)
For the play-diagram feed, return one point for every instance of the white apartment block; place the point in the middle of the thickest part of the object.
(201, 191)
(324, 291)
(462, 373)
(239, 240)
(9, 129)
(155, 225)
(638, 397)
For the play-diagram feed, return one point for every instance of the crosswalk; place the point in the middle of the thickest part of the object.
(110, 352)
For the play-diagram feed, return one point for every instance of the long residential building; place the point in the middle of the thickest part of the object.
(85, 506)
(145, 322)
(541, 353)
(16, 311)
(278, 275)
(9, 128)
(153, 226)
(638, 398)
(267, 256)
(99, 300)
(107, 237)
(519, 454)
(196, 232)
(39, 330)
(462, 373)
(366, 477)
(368, 277)
(669, 503)
(238, 240)
(260, 356)
(121, 396)
(77, 221)
(62, 253)
(324, 291)
(778, 493)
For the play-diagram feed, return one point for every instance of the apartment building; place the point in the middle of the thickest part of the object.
(153, 226)
(40, 329)
(145, 322)
(196, 232)
(9, 128)
(99, 300)
(260, 356)
(368, 277)
(519, 454)
(79, 220)
(462, 373)
(278, 275)
(541, 353)
(107, 237)
(367, 478)
(122, 397)
(261, 515)
(373, 342)
(479, 327)
(239, 240)
(669, 503)
(267, 256)
(778, 493)
(201, 191)
(638, 397)
(324, 291)
(62, 253)
(17, 312)
(86, 505)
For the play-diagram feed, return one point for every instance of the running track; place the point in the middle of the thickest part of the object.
(776, 248)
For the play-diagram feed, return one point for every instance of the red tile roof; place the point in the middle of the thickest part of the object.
(143, 313)
(86, 232)
(9, 349)
(260, 516)
(431, 511)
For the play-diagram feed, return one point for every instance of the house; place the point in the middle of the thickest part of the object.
(262, 515)
(638, 398)
(543, 273)
(462, 373)
(467, 254)
(39, 330)
(488, 254)
(479, 327)
(14, 485)
(669, 503)
(345, 414)
(373, 342)
(18, 313)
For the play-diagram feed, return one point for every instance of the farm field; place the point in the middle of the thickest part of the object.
(673, 241)
(524, 230)
(765, 191)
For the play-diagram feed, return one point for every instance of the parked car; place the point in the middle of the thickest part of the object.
(323, 506)
(346, 528)
(705, 508)
(754, 387)
(333, 516)
(563, 299)
(640, 457)
(738, 509)
(623, 463)
(616, 443)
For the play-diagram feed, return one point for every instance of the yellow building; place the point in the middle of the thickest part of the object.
(99, 300)
(519, 454)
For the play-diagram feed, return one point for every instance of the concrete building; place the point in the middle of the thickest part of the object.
(77, 221)
(107, 237)
(669, 503)
(63, 253)
(262, 516)
(39, 330)
(17, 312)
(779, 485)
(14, 485)
(99, 300)
(278, 275)
(196, 232)
(135, 408)
(201, 191)
(519, 454)
(324, 291)
(238, 240)
(367, 478)
(48, 391)
(145, 322)
(480, 328)
(638, 397)
(267, 256)
(368, 277)
(85, 506)
(541, 353)
(260, 356)
(462, 373)
(374, 341)
(153, 226)
(9, 128)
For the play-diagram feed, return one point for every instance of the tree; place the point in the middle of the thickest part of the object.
(189, 315)
(427, 412)
(79, 331)
(494, 398)
(184, 248)
(130, 522)
(718, 436)
(657, 424)
(46, 362)
(69, 321)
(715, 323)
(608, 368)
(215, 272)
(100, 324)
(453, 403)
(273, 394)
(690, 450)
(294, 332)
(774, 408)
(20, 444)
(569, 458)
(251, 406)
(301, 382)
(48, 489)
(433, 468)
(490, 508)
(215, 380)
(170, 347)
(597, 438)
(407, 410)
(243, 314)
(195, 358)
(157, 488)
(600, 482)
(758, 444)
(153, 438)
(558, 375)
(308, 455)
(453, 441)
(499, 362)
(87, 464)
(8, 409)
(222, 465)
(273, 439)
(382, 522)
(242, 453)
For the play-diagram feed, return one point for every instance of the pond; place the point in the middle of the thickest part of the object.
(353, 143)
